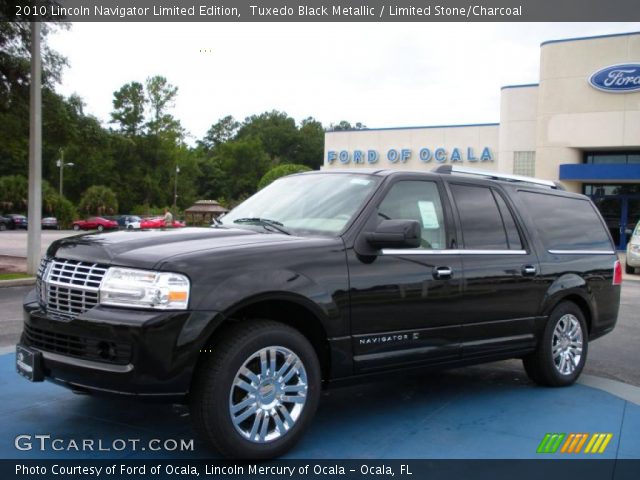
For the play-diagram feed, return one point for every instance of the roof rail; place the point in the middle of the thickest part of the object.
(450, 169)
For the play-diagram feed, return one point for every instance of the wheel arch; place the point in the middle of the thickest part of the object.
(286, 308)
(579, 299)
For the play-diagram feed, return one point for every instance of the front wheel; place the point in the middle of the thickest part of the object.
(76, 227)
(562, 351)
(256, 393)
(629, 269)
(100, 228)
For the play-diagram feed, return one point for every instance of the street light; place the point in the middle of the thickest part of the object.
(60, 163)
(175, 188)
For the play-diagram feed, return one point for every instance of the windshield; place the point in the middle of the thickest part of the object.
(311, 203)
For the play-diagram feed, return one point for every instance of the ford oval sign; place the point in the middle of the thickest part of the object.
(617, 78)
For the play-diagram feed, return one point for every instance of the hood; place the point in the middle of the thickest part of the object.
(146, 248)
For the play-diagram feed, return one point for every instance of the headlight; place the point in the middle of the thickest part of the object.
(635, 248)
(126, 287)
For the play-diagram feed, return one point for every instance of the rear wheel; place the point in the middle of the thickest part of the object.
(562, 351)
(100, 228)
(3, 227)
(256, 393)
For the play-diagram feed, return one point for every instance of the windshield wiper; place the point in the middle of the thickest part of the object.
(265, 222)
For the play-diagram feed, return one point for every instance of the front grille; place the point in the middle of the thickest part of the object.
(68, 288)
(87, 348)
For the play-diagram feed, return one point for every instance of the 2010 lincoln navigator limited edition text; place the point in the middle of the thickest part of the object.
(325, 276)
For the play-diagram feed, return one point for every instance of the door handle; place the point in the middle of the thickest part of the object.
(442, 272)
(529, 270)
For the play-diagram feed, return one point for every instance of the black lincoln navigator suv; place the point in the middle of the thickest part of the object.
(324, 276)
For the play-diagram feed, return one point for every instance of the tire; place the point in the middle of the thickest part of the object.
(3, 227)
(629, 269)
(76, 227)
(100, 228)
(541, 366)
(214, 391)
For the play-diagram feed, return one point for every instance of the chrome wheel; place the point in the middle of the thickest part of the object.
(268, 394)
(566, 346)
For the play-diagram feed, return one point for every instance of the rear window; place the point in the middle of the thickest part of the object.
(565, 223)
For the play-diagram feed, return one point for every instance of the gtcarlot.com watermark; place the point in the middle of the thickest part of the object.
(47, 443)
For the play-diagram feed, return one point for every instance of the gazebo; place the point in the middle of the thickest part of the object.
(203, 212)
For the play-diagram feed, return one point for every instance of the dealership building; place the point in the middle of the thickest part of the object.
(579, 125)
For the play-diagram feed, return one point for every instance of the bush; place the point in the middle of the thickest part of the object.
(64, 211)
(281, 171)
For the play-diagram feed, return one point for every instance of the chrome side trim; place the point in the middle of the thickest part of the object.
(78, 362)
(416, 251)
(581, 252)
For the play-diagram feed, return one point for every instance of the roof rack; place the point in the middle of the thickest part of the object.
(450, 169)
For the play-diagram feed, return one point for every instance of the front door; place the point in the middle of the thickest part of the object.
(404, 302)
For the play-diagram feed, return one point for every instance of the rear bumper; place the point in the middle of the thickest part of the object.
(120, 351)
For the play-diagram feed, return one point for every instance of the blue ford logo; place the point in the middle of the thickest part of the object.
(617, 78)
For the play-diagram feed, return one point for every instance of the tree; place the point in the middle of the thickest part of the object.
(243, 162)
(161, 97)
(344, 125)
(277, 133)
(13, 193)
(311, 143)
(128, 108)
(280, 171)
(99, 200)
(223, 131)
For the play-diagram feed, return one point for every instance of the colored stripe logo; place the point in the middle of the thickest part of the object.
(574, 443)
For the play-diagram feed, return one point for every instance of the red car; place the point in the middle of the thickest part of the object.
(95, 223)
(158, 222)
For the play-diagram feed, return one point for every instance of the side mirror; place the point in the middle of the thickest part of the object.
(395, 234)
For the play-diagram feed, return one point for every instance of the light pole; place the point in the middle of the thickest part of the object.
(61, 164)
(175, 188)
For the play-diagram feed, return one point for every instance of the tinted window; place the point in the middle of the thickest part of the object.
(513, 236)
(417, 200)
(566, 223)
(482, 227)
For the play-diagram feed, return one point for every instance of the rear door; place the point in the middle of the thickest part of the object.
(502, 292)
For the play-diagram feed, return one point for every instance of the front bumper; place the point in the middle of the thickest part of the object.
(120, 351)
(633, 258)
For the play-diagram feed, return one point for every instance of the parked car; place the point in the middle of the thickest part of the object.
(17, 221)
(158, 222)
(5, 223)
(322, 278)
(50, 223)
(95, 223)
(633, 251)
(129, 221)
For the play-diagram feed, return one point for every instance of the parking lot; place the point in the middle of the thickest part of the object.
(486, 411)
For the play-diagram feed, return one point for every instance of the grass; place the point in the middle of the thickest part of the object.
(14, 276)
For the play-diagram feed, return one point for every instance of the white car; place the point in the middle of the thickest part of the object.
(633, 251)
(132, 222)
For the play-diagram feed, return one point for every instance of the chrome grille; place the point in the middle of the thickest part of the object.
(69, 287)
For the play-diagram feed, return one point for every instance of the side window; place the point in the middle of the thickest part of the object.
(566, 223)
(483, 222)
(417, 200)
(513, 236)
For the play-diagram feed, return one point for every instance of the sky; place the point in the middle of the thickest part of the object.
(380, 74)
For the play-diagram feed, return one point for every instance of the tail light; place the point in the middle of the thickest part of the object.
(617, 273)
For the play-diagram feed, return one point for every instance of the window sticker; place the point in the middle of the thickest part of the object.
(428, 214)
